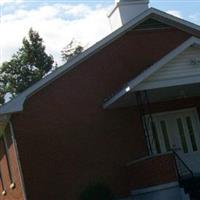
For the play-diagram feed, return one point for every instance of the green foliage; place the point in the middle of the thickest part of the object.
(2, 94)
(71, 50)
(96, 191)
(26, 67)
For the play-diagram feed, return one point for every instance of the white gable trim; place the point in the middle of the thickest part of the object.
(130, 86)
(16, 105)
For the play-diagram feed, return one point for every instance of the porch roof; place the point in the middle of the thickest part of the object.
(160, 95)
(164, 90)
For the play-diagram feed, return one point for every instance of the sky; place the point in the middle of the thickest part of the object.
(58, 22)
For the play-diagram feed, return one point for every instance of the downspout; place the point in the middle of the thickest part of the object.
(18, 159)
(4, 122)
(3, 193)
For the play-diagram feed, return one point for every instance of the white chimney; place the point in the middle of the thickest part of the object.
(126, 10)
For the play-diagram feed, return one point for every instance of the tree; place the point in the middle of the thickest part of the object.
(26, 67)
(71, 50)
(1, 96)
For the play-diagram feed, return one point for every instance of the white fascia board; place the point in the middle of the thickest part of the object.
(16, 105)
(176, 19)
(155, 188)
(169, 83)
(149, 71)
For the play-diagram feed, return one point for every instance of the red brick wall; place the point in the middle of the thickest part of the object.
(16, 193)
(159, 169)
(152, 171)
(66, 139)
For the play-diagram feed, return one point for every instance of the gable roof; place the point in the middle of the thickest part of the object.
(16, 105)
(131, 85)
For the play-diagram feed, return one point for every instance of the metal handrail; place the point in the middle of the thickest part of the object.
(178, 158)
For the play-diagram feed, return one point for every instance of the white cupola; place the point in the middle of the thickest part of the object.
(126, 10)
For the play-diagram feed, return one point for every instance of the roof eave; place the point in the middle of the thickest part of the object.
(16, 105)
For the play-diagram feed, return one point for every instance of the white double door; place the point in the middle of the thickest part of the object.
(178, 130)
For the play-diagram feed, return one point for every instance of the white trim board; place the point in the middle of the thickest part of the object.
(18, 160)
(16, 105)
(132, 85)
(155, 188)
(148, 158)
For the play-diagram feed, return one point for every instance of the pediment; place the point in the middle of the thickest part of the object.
(182, 69)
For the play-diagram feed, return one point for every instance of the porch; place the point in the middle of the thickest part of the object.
(163, 176)
(175, 79)
(10, 174)
(167, 96)
(171, 127)
(152, 171)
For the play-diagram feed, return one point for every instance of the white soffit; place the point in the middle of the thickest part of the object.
(147, 80)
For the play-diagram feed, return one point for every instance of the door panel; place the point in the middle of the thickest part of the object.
(190, 127)
(182, 142)
(165, 134)
(179, 130)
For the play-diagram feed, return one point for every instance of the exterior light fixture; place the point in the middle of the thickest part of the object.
(127, 89)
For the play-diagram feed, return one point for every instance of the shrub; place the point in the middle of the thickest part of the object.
(96, 191)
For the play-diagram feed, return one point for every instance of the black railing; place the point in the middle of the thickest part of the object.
(182, 168)
(143, 104)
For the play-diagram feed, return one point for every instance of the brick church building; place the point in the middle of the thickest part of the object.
(125, 112)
